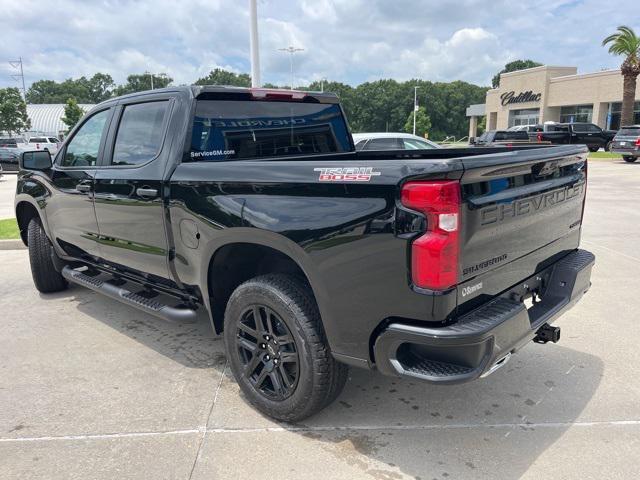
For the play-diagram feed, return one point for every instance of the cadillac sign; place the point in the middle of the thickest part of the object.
(508, 98)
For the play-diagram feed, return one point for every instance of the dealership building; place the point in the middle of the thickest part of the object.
(558, 94)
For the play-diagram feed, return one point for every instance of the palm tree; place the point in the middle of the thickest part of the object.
(626, 43)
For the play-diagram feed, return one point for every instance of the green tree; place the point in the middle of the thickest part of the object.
(85, 90)
(13, 111)
(423, 122)
(141, 82)
(627, 44)
(72, 113)
(224, 77)
(513, 67)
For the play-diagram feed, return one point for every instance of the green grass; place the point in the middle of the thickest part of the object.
(9, 229)
(601, 155)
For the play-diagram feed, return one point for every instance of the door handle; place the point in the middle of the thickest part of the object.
(83, 187)
(146, 192)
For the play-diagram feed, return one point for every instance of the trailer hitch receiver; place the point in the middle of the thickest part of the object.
(547, 333)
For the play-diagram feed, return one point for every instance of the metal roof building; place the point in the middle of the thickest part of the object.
(46, 118)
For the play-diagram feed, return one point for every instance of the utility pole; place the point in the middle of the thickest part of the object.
(253, 38)
(17, 64)
(415, 107)
(291, 50)
(322, 80)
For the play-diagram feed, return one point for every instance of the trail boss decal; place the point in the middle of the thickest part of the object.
(350, 174)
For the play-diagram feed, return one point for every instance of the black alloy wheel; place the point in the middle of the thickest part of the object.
(268, 353)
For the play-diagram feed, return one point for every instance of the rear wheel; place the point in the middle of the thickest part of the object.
(629, 158)
(594, 148)
(277, 348)
(607, 147)
(45, 276)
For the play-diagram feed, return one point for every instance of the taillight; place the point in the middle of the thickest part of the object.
(539, 136)
(435, 255)
(637, 144)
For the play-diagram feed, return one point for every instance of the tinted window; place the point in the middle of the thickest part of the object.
(83, 148)
(37, 140)
(384, 144)
(53, 140)
(231, 129)
(415, 144)
(140, 133)
(360, 144)
(629, 131)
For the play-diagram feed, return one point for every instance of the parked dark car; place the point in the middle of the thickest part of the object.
(253, 206)
(500, 137)
(587, 134)
(627, 143)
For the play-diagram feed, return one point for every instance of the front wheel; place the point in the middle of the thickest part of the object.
(45, 276)
(594, 148)
(277, 348)
(607, 147)
(629, 158)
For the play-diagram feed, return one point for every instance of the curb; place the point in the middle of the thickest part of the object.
(12, 245)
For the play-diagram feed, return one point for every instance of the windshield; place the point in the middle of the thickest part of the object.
(236, 130)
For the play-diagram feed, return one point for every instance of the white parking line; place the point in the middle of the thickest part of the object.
(329, 429)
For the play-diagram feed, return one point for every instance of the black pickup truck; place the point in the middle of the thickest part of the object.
(587, 134)
(253, 206)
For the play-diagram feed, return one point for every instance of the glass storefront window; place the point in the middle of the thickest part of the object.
(527, 116)
(576, 113)
(615, 113)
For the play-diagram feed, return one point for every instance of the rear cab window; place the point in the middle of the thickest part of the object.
(246, 129)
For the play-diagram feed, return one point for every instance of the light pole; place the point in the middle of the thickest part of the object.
(322, 80)
(150, 76)
(291, 50)
(415, 107)
(253, 38)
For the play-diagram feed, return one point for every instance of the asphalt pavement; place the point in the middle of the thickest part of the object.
(92, 389)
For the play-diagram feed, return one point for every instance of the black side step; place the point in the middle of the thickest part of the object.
(148, 305)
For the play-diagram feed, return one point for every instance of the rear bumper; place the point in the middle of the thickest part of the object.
(483, 339)
(627, 152)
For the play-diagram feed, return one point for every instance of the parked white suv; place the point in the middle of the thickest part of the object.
(45, 143)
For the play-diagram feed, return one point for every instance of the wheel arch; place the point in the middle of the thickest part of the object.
(242, 256)
(26, 210)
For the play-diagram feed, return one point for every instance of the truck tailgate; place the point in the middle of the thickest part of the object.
(521, 211)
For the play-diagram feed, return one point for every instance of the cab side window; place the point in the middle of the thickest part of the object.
(140, 133)
(83, 149)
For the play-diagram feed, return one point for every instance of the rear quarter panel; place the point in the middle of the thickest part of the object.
(342, 234)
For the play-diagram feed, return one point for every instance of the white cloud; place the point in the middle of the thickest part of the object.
(346, 40)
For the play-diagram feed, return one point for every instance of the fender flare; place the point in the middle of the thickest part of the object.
(277, 242)
(22, 198)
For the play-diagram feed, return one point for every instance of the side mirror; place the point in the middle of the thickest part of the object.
(472, 140)
(36, 160)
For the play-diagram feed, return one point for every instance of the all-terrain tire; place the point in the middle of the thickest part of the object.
(46, 278)
(320, 378)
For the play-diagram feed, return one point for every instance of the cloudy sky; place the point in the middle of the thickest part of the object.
(346, 40)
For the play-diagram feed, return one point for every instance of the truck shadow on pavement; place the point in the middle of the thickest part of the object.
(191, 344)
(388, 428)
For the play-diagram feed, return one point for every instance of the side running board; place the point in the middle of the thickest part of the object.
(148, 305)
